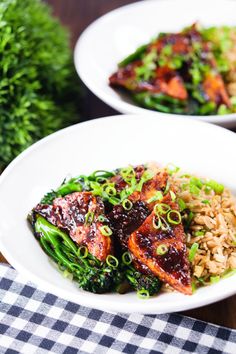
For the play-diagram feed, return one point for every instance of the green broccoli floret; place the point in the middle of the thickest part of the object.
(140, 282)
(39, 88)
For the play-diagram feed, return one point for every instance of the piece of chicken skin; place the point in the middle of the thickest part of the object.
(173, 266)
(69, 214)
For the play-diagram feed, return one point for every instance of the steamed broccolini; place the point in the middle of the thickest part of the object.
(90, 274)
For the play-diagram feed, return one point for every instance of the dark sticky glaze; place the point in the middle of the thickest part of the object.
(170, 82)
(68, 213)
(124, 222)
(173, 267)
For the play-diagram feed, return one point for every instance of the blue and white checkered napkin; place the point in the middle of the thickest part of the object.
(32, 321)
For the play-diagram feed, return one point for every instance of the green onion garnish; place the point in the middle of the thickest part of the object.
(199, 233)
(110, 190)
(189, 219)
(112, 261)
(229, 273)
(105, 230)
(101, 218)
(206, 201)
(127, 173)
(127, 204)
(143, 294)
(156, 222)
(126, 258)
(214, 279)
(89, 218)
(207, 189)
(171, 169)
(162, 249)
(182, 204)
(157, 196)
(192, 251)
(194, 287)
(194, 189)
(167, 187)
(82, 252)
(177, 217)
(146, 176)
(161, 208)
(173, 196)
(218, 188)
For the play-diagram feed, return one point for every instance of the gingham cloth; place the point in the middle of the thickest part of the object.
(32, 321)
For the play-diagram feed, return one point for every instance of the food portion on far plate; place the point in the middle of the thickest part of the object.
(146, 228)
(192, 72)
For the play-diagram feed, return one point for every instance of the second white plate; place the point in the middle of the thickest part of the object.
(117, 34)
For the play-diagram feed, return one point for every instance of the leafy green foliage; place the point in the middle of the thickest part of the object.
(38, 87)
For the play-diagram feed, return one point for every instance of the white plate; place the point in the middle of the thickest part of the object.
(108, 143)
(117, 34)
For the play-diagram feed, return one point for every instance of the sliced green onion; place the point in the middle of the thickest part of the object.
(82, 252)
(126, 258)
(101, 180)
(193, 251)
(194, 287)
(199, 233)
(171, 169)
(127, 204)
(146, 176)
(127, 173)
(89, 218)
(206, 201)
(110, 190)
(105, 230)
(218, 188)
(173, 196)
(177, 217)
(157, 196)
(156, 222)
(101, 218)
(207, 189)
(194, 189)
(96, 188)
(182, 204)
(214, 279)
(112, 261)
(229, 273)
(164, 224)
(143, 294)
(167, 187)
(162, 249)
(161, 208)
(196, 181)
(189, 219)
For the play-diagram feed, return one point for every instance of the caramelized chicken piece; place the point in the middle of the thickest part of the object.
(126, 77)
(69, 213)
(172, 266)
(169, 82)
(124, 222)
(166, 81)
(215, 90)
